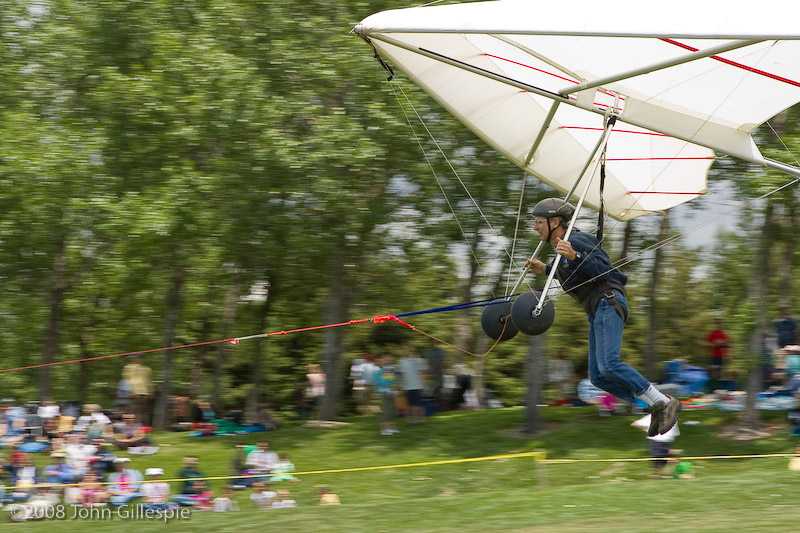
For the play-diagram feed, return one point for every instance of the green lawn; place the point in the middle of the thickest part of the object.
(511, 494)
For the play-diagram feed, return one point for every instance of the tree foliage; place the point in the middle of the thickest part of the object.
(174, 173)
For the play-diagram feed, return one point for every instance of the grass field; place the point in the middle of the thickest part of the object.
(504, 495)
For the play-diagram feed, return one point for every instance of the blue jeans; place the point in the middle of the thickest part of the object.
(606, 370)
(183, 499)
(122, 499)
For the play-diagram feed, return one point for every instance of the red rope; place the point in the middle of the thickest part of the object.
(615, 131)
(664, 192)
(298, 330)
(657, 158)
(532, 68)
(735, 64)
(378, 319)
(117, 355)
(374, 319)
(545, 72)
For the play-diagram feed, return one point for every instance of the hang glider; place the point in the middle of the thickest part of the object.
(538, 80)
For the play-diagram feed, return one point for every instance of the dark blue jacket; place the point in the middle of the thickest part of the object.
(591, 273)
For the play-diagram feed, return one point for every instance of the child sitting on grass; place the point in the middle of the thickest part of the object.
(261, 496)
(283, 500)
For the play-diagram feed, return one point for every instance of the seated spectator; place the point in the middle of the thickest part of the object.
(155, 494)
(130, 434)
(794, 416)
(265, 418)
(205, 413)
(283, 500)
(188, 472)
(48, 410)
(103, 461)
(79, 453)
(59, 471)
(12, 431)
(261, 496)
(181, 410)
(65, 424)
(39, 505)
(50, 428)
(326, 497)
(201, 498)
(125, 483)
(22, 476)
(225, 502)
(92, 492)
(92, 414)
(14, 411)
(283, 469)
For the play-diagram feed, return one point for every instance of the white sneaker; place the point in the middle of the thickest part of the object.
(386, 432)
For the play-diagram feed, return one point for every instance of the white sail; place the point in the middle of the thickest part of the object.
(685, 81)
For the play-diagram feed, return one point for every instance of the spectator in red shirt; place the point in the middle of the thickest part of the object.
(718, 342)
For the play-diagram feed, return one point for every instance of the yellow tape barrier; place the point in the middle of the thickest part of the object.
(539, 456)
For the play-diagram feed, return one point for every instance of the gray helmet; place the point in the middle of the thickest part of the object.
(554, 207)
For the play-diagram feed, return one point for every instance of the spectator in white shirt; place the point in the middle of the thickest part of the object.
(262, 460)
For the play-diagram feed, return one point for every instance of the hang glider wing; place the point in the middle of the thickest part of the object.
(534, 79)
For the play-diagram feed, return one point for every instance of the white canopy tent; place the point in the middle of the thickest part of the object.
(536, 80)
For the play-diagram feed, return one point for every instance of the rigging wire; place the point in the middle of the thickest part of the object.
(497, 238)
(796, 162)
(516, 228)
(433, 171)
(456, 174)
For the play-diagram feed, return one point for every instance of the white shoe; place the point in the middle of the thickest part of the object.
(392, 431)
(386, 432)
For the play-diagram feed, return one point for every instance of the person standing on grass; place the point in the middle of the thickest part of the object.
(585, 272)
(139, 378)
(660, 446)
(413, 370)
(385, 385)
(786, 328)
(718, 343)
(316, 387)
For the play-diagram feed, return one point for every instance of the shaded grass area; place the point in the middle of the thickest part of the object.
(511, 494)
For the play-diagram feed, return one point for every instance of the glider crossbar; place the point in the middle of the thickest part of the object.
(542, 130)
(697, 54)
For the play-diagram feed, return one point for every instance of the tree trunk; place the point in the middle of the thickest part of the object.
(85, 340)
(652, 298)
(535, 378)
(464, 327)
(228, 316)
(627, 239)
(55, 301)
(258, 357)
(336, 310)
(197, 364)
(173, 308)
(787, 259)
(751, 417)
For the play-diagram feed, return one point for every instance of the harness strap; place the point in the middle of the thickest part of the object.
(605, 289)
